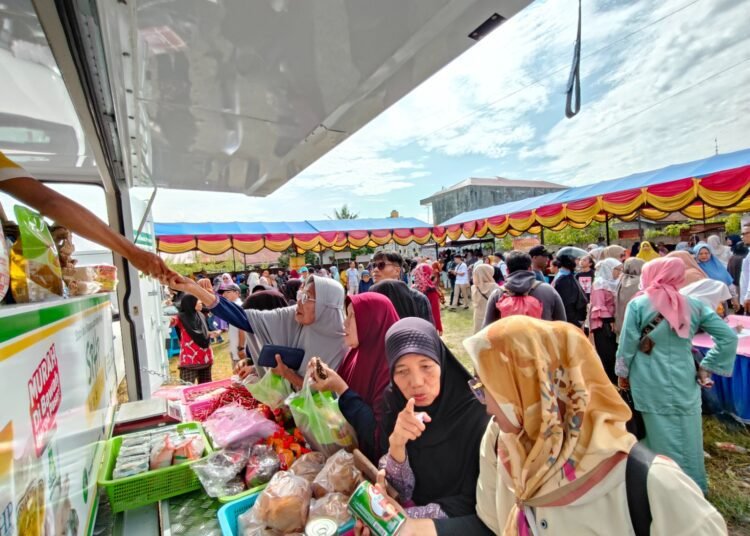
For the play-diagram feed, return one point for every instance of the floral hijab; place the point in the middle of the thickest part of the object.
(548, 380)
(423, 278)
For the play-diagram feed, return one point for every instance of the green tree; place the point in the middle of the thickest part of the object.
(344, 213)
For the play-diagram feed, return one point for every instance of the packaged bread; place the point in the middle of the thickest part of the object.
(284, 504)
(339, 475)
(308, 465)
(333, 505)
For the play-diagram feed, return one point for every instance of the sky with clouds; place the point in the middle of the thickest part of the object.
(660, 81)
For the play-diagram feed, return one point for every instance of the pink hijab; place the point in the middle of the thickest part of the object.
(423, 278)
(661, 280)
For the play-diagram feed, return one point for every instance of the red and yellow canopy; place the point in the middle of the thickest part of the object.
(700, 189)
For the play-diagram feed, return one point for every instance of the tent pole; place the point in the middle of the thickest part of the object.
(542, 236)
(606, 226)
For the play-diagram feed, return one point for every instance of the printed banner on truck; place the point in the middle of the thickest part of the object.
(58, 395)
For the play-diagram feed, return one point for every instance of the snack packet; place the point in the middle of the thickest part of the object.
(334, 505)
(284, 504)
(308, 465)
(4, 266)
(35, 269)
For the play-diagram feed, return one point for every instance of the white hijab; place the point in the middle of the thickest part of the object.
(720, 251)
(323, 338)
(604, 277)
(709, 291)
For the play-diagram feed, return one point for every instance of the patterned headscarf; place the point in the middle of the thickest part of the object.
(548, 381)
(423, 278)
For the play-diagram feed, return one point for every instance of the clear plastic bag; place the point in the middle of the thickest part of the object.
(339, 475)
(333, 505)
(271, 390)
(308, 465)
(262, 465)
(219, 472)
(320, 420)
(284, 504)
(234, 423)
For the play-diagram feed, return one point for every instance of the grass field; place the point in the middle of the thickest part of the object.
(729, 473)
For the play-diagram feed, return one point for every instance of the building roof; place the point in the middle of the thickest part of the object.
(493, 181)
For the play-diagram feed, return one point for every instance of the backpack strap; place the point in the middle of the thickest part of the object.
(636, 486)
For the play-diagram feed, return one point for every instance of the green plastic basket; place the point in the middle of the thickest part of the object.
(150, 487)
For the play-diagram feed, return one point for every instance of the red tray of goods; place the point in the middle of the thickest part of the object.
(202, 400)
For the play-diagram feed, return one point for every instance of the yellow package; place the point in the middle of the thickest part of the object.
(35, 272)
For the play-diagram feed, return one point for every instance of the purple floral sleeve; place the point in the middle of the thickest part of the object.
(401, 477)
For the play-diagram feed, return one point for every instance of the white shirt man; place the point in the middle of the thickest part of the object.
(352, 279)
(236, 336)
(461, 289)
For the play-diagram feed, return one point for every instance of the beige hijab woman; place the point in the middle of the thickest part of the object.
(613, 252)
(549, 382)
(484, 285)
(693, 272)
(627, 288)
(558, 467)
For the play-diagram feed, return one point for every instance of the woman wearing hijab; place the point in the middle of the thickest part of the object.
(408, 302)
(693, 272)
(424, 283)
(682, 246)
(262, 300)
(602, 313)
(196, 356)
(714, 269)
(365, 282)
(720, 251)
(553, 460)
(315, 324)
(663, 380)
(253, 280)
(484, 285)
(291, 289)
(362, 377)
(614, 252)
(432, 424)
(712, 293)
(627, 288)
(646, 252)
(570, 291)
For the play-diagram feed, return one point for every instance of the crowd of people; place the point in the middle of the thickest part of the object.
(540, 437)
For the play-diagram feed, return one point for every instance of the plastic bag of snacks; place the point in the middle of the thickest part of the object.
(234, 423)
(308, 465)
(219, 472)
(339, 475)
(282, 506)
(262, 465)
(35, 270)
(4, 266)
(271, 390)
(334, 505)
(319, 418)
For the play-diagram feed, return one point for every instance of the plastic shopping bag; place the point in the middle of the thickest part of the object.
(271, 390)
(320, 420)
(234, 424)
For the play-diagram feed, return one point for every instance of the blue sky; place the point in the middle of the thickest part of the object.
(660, 81)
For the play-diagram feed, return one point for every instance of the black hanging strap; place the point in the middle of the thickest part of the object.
(573, 92)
